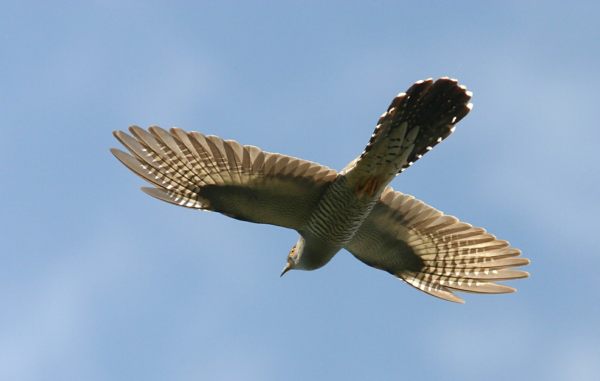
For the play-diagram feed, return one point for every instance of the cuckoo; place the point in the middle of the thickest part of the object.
(354, 209)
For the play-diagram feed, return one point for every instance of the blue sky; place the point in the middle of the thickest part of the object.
(100, 282)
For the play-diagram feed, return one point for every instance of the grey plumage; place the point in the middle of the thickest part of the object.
(354, 209)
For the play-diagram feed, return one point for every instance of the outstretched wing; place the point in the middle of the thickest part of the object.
(434, 252)
(207, 172)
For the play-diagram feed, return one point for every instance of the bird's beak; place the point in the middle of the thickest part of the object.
(287, 268)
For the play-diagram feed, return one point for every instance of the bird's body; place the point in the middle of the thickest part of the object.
(354, 209)
(335, 221)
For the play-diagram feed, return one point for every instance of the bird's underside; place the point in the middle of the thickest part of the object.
(431, 251)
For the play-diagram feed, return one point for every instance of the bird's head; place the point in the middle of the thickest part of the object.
(294, 259)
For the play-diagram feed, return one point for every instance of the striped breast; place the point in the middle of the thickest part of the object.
(339, 214)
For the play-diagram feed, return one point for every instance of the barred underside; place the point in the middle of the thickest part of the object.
(186, 168)
(339, 214)
(434, 252)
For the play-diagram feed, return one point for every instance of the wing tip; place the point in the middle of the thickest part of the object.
(122, 156)
(453, 298)
(520, 274)
(118, 134)
(154, 192)
(114, 151)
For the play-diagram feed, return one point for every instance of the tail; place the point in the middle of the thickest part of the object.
(413, 124)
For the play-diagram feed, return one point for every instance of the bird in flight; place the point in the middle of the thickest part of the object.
(354, 209)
